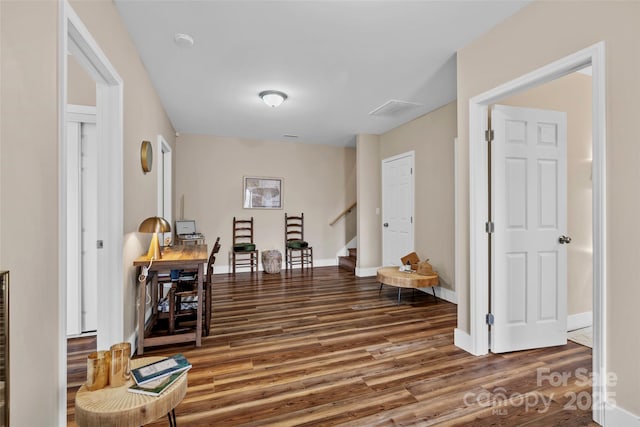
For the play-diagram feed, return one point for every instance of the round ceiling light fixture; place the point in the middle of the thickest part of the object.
(273, 98)
(183, 40)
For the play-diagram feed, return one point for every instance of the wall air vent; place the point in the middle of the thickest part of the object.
(394, 107)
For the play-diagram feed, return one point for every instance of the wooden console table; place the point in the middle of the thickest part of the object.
(116, 406)
(182, 257)
(392, 276)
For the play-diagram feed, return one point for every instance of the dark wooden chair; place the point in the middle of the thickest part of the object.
(244, 252)
(183, 297)
(297, 250)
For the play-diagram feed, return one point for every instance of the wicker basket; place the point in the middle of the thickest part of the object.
(272, 261)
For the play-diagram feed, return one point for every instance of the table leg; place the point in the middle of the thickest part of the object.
(199, 307)
(172, 418)
(380, 290)
(433, 289)
(399, 291)
(141, 308)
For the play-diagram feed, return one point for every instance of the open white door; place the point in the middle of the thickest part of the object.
(397, 207)
(529, 203)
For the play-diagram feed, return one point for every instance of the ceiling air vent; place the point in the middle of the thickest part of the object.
(394, 107)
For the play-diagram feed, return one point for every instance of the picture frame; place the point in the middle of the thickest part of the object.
(262, 192)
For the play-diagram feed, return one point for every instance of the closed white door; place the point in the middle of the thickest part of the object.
(529, 204)
(81, 175)
(89, 164)
(397, 208)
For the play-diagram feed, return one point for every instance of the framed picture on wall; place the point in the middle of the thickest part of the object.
(262, 192)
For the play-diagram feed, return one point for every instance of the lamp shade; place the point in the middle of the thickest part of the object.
(155, 225)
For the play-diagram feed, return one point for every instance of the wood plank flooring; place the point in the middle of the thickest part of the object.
(325, 348)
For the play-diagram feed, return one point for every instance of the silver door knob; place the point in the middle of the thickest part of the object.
(386, 224)
(564, 240)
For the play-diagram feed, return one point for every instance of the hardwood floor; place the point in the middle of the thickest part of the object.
(324, 348)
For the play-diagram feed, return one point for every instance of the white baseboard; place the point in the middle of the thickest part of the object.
(462, 340)
(367, 272)
(442, 293)
(329, 262)
(618, 417)
(579, 320)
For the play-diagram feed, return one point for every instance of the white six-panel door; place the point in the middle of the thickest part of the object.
(397, 208)
(529, 204)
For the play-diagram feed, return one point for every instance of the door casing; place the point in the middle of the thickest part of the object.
(478, 200)
(75, 38)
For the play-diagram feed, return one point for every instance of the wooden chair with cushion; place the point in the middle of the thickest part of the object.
(183, 297)
(244, 252)
(297, 250)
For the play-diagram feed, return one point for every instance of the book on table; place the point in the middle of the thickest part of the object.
(160, 369)
(158, 386)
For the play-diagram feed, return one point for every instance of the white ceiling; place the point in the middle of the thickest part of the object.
(337, 61)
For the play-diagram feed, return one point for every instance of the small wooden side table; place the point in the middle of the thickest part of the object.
(392, 276)
(116, 406)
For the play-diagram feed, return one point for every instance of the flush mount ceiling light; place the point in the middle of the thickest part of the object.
(183, 40)
(273, 98)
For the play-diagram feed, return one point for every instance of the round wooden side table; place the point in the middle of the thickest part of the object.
(392, 276)
(116, 406)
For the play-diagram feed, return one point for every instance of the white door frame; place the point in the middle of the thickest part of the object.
(478, 199)
(74, 37)
(411, 154)
(165, 180)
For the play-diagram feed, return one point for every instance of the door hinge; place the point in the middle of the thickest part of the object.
(410, 171)
(488, 226)
(489, 319)
(411, 220)
(488, 135)
(99, 244)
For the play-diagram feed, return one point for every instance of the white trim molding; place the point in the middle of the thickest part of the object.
(617, 417)
(478, 200)
(579, 320)
(462, 340)
(226, 269)
(367, 272)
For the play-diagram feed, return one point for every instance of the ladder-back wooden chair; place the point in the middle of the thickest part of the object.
(184, 296)
(297, 250)
(244, 252)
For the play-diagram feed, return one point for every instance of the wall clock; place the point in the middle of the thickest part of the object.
(146, 156)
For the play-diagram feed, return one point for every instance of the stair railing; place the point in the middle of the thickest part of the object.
(344, 212)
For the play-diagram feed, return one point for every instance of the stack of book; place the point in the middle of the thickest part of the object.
(155, 378)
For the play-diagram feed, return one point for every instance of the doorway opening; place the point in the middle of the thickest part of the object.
(76, 40)
(479, 257)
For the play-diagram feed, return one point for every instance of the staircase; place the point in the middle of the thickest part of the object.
(349, 262)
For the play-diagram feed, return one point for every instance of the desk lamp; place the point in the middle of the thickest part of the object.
(155, 225)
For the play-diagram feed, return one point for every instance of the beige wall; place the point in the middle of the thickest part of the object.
(29, 207)
(572, 94)
(369, 198)
(431, 137)
(29, 191)
(319, 180)
(539, 34)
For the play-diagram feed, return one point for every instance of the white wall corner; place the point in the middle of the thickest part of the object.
(579, 321)
(617, 417)
(133, 340)
(367, 272)
(462, 340)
